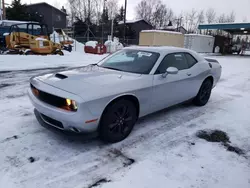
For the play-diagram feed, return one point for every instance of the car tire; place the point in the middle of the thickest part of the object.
(118, 121)
(204, 93)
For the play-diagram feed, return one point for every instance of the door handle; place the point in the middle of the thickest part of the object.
(189, 74)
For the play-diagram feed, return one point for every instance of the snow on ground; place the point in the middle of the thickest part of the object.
(163, 146)
(21, 62)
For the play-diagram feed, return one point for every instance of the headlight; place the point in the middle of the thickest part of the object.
(71, 104)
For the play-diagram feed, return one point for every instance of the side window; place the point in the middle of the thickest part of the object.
(177, 60)
(30, 29)
(190, 60)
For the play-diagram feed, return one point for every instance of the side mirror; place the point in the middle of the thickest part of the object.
(170, 70)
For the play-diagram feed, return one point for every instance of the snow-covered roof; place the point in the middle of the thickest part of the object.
(170, 27)
(130, 21)
(225, 23)
(160, 31)
(11, 22)
(193, 34)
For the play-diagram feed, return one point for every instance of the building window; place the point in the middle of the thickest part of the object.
(58, 18)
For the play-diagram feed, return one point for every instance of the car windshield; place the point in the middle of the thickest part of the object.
(134, 61)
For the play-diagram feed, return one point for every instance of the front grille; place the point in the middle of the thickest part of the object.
(51, 121)
(49, 98)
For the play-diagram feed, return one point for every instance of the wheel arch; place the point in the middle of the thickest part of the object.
(130, 97)
(210, 77)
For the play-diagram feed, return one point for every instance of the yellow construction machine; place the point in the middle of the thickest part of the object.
(64, 39)
(31, 38)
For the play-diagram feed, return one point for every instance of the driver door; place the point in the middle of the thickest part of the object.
(172, 89)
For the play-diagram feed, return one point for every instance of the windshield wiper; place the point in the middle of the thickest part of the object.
(112, 68)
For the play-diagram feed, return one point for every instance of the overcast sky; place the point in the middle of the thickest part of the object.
(241, 7)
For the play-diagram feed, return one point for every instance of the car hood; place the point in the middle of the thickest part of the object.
(90, 80)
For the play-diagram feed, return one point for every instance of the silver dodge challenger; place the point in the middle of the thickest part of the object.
(111, 95)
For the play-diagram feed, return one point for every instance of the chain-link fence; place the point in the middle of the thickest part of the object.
(125, 42)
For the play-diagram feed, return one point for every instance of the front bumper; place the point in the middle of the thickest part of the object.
(62, 119)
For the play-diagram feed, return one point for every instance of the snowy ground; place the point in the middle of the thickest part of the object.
(163, 146)
(21, 62)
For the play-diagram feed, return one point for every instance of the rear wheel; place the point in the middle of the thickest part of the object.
(59, 52)
(204, 93)
(118, 121)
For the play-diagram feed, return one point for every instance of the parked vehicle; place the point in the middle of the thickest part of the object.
(111, 95)
(236, 48)
(161, 38)
(199, 43)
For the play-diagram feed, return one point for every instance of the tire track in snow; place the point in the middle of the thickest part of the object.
(144, 132)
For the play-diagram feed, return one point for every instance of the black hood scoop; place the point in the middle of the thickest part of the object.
(60, 76)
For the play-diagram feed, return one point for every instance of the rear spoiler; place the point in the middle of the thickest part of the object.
(211, 60)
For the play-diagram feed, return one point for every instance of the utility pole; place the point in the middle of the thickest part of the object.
(4, 10)
(112, 29)
(1, 10)
(125, 12)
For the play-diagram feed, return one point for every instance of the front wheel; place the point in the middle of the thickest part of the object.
(27, 52)
(118, 121)
(204, 93)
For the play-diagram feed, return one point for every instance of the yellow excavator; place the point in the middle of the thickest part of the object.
(30, 39)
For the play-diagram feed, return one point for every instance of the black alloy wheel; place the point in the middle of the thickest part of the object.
(118, 121)
(204, 93)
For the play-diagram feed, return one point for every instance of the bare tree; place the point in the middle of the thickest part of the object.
(200, 19)
(186, 19)
(192, 16)
(162, 15)
(112, 6)
(154, 12)
(85, 9)
(145, 9)
(98, 10)
(222, 18)
(231, 17)
(244, 19)
(210, 15)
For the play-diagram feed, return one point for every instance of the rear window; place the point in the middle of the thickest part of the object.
(190, 60)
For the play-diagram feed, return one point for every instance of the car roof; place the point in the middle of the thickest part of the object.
(164, 50)
(160, 49)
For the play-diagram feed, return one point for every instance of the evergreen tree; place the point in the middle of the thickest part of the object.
(105, 16)
(121, 15)
(17, 11)
(170, 23)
